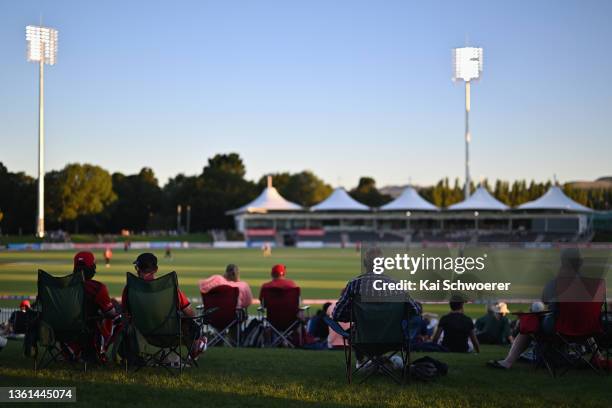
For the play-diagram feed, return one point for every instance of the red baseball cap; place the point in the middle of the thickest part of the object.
(24, 303)
(279, 270)
(85, 258)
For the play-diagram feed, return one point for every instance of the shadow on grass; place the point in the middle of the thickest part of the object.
(282, 378)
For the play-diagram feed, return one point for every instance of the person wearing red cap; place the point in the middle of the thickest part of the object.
(17, 320)
(97, 298)
(97, 303)
(279, 280)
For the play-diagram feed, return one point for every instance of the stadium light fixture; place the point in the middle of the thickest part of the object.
(41, 48)
(467, 67)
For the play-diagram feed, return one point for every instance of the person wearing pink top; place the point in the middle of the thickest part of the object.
(334, 340)
(231, 277)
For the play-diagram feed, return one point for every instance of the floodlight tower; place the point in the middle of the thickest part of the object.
(42, 48)
(467, 66)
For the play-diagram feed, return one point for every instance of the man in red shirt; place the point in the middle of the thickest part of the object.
(146, 267)
(96, 293)
(278, 279)
(97, 299)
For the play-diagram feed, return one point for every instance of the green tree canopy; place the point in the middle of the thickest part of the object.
(304, 188)
(139, 197)
(367, 193)
(79, 190)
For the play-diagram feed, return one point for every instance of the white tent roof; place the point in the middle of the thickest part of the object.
(268, 200)
(554, 199)
(481, 200)
(339, 200)
(409, 200)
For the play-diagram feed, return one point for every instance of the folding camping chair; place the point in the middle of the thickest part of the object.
(578, 325)
(279, 311)
(61, 319)
(227, 318)
(378, 331)
(604, 341)
(153, 307)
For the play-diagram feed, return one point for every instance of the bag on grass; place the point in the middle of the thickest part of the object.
(427, 369)
(253, 334)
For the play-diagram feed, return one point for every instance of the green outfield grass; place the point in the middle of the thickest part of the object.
(321, 273)
(298, 378)
(280, 377)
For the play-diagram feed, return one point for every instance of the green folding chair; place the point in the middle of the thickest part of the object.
(153, 307)
(62, 318)
(378, 331)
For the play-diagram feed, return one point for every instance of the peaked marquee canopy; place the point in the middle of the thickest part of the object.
(339, 200)
(554, 199)
(269, 200)
(409, 200)
(481, 200)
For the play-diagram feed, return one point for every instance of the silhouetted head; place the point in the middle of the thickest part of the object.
(232, 273)
(146, 263)
(369, 257)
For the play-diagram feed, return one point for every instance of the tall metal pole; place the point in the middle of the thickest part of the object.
(178, 218)
(188, 218)
(468, 138)
(40, 223)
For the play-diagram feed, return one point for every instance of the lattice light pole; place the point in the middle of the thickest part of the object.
(467, 67)
(42, 48)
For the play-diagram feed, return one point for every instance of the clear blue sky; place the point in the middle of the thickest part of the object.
(344, 88)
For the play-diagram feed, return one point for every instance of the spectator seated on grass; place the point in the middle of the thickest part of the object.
(146, 267)
(97, 301)
(569, 270)
(363, 287)
(421, 331)
(457, 329)
(17, 322)
(494, 327)
(281, 310)
(279, 280)
(231, 277)
(316, 326)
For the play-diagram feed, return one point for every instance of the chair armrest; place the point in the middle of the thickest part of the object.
(335, 326)
(206, 312)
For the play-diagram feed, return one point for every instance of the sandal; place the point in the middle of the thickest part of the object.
(495, 364)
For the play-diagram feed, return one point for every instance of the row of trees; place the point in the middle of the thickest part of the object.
(87, 198)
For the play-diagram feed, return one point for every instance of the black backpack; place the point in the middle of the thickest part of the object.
(427, 369)
(253, 334)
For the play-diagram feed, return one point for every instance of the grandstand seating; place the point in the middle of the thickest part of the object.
(435, 236)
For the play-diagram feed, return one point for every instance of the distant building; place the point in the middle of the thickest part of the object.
(341, 220)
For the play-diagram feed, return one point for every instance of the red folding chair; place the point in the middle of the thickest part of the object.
(280, 312)
(577, 325)
(226, 318)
